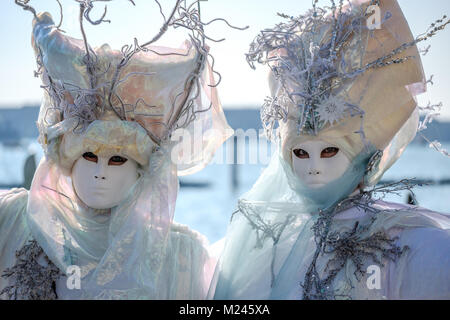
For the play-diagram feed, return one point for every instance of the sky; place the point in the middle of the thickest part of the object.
(240, 85)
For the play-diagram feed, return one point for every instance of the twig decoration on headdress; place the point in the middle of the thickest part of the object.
(89, 104)
(309, 68)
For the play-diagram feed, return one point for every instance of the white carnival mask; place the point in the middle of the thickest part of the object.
(316, 163)
(103, 182)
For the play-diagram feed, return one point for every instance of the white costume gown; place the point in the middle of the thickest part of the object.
(422, 272)
(270, 245)
(182, 275)
(291, 241)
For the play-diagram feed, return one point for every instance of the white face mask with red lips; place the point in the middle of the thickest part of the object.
(103, 182)
(317, 163)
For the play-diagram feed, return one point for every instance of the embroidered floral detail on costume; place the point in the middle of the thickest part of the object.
(32, 280)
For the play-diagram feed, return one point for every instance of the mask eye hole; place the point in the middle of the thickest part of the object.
(329, 152)
(117, 161)
(89, 156)
(301, 154)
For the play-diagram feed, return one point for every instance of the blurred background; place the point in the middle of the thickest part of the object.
(207, 199)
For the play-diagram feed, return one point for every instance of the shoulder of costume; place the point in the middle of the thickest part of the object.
(183, 231)
(425, 274)
(13, 207)
(395, 206)
(407, 217)
(15, 199)
(423, 271)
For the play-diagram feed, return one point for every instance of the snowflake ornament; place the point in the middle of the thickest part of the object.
(331, 109)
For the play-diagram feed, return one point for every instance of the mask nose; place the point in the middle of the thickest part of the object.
(313, 172)
(100, 172)
(314, 165)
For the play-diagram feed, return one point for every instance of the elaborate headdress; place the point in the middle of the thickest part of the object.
(339, 77)
(133, 99)
(128, 102)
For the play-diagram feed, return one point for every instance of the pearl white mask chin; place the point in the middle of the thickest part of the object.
(103, 182)
(316, 163)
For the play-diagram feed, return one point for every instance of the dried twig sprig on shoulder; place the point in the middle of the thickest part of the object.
(34, 275)
(356, 246)
(265, 229)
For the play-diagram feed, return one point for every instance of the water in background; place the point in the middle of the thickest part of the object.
(207, 199)
(209, 210)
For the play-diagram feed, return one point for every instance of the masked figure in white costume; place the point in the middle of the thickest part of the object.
(98, 219)
(314, 226)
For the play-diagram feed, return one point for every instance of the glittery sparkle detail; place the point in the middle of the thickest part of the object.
(308, 56)
(32, 280)
(354, 246)
(331, 110)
